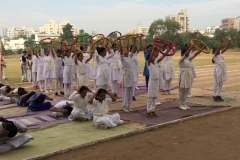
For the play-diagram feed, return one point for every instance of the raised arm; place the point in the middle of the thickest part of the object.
(197, 53)
(186, 54)
(29, 50)
(228, 44)
(220, 46)
(141, 45)
(90, 101)
(52, 50)
(160, 59)
(90, 57)
(112, 96)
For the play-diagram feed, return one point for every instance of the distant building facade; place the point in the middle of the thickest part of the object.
(138, 29)
(227, 23)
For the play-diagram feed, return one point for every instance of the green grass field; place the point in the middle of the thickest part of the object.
(13, 70)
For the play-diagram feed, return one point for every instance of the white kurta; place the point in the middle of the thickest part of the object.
(153, 84)
(220, 69)
(34, 63)
(103, 72)
(101, 116)
(95, 65)
(82, 78)
(115, 66)
(128, 77)
(61, 105)
(88, 66)
(58, 67)
(136, 67)
(168, 67)
(192, 65)
(185, 73)
(80, 109)
(68, 69)
(40, 69)
(47, 65)
(7, 144)
(160, 71)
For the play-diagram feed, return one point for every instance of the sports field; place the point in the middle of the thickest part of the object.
(215, 136)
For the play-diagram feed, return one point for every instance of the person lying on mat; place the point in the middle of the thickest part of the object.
(62, 108)
(81, 112)
(4, 91)
(8, 132)
(36, 102)
(101, 118)
(17, 96)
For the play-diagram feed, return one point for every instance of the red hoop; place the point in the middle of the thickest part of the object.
(45, 43)
(71, 44)
(120, 34)
(90, 40)
(165, 42)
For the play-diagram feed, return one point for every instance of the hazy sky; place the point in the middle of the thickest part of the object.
(105, 16)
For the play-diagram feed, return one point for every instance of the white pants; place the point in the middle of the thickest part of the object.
(217, 86)
(151, 104)
(24, 73)
(41, 84)
(77, 115)
(17, 141)
(59, 81)
(34, 79)
(67, 89)
(183, 93)
(3, 74)
(4, 98)
(46, 83)
(103, 86)
(57, 114)
(127, 94)
(109, 120)
(114, 86)
(167, 84)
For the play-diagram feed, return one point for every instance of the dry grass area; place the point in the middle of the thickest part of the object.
(13, 71)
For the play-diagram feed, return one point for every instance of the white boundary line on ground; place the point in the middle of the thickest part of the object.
(131, 133)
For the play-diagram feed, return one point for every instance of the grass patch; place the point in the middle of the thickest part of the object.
(13, 70)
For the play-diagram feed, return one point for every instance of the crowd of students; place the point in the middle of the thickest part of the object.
(114, 64)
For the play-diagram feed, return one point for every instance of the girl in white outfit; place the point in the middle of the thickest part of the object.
(9, 139)
(103, 72)
(58, 71)
(95, 66)
(220, 70)
(85, 58)
(47, 69)
(82, 77)
(62, 108)
(114, 69)
(128, 77)
(153, 84)
(80, 110)
(40, 78)
(168, 70)
(34, 67)
(68, 71)
(185, 76)
(101, 118)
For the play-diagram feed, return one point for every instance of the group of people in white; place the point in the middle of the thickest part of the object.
(114, 64)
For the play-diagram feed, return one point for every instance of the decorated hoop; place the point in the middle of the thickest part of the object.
(117, 32)
(160, 43)
(65, 43)
(101, 39)
(206, 50)
(46, 39)
(91, 38)
(130, 36)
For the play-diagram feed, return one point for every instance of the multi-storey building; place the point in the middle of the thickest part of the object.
(236, 23)
(181, 18)
(211, 30)
(22, 30)
(52, 28)
(139, 29)
(227, 23)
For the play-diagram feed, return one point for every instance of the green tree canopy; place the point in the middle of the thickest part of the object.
(67, 31)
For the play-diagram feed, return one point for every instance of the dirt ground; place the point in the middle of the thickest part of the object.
(206, 138)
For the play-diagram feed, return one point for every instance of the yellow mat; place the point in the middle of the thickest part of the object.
(63, 136)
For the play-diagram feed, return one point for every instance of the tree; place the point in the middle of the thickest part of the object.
(157, 28)
(33, 36)
(19, 51)
(67, 31)
(81, 31)
(31, 43)
(83, 37)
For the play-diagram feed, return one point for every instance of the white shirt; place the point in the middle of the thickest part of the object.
(62, 104)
